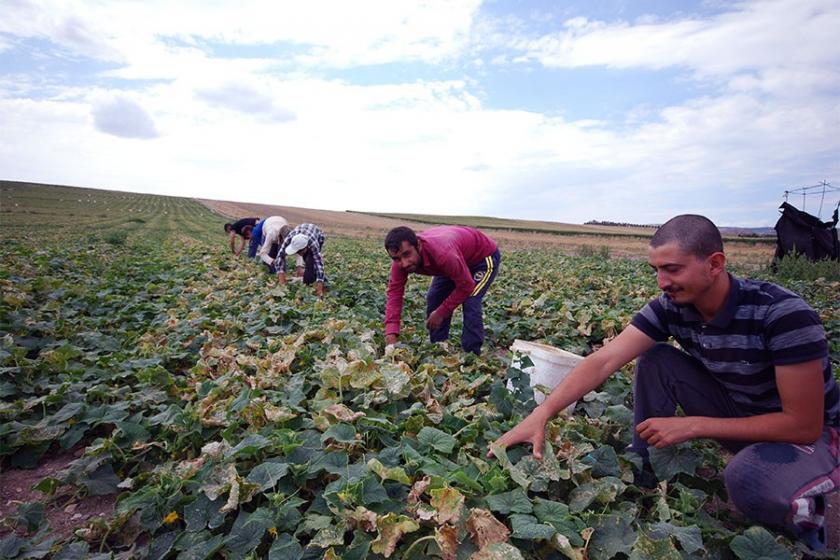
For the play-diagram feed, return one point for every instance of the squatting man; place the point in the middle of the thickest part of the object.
(753, 373)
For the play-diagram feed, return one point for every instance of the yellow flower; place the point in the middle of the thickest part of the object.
(273, 531)
(171, 518)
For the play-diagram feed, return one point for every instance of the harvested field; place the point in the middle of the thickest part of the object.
(569, 239)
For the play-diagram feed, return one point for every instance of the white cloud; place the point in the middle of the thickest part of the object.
(245, 99)
(339, 34)
(124, 118)
(754, 35)
(273, 129)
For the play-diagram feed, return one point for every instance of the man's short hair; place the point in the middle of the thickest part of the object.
(228, 227)
(284, 231)
(693, 234)
(395, 238)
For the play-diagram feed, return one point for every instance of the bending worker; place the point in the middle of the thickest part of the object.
(242, 228)
(272, 232)
(306, 241)
(753, 373)
(463, 262)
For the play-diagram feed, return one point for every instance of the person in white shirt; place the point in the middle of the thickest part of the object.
(274, 231)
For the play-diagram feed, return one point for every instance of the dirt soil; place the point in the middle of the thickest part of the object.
(64, 512)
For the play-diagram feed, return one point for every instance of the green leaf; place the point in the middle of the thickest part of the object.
(101, 482)
(373, 492)
(603, 462)
(690, 538)
(67, 412)
(613, 534)
(248, 446)
(246, 534)
(557, 515)
(341, 432)
(654, 549)
(240, 402)
(332, 535)
(540, 472)
(162, 544)
(31, 514)
(672, 460)
(515, 501)
(335, 462)
(527, 527)
(204, 547)
(515, 473)
(604, 491)
(397, 474)
(48, 485)
(285, 547)
(73, 551)
(266, 475)
(436, 439)
(466, 481)
(756, 543)
(202, 512)
(620, 414)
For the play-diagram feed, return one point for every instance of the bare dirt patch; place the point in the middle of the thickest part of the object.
(65, 512)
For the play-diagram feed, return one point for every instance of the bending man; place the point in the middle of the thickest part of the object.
(239, 228)
(463, 262)
(306, 241)
(272, 232)
(753, 373)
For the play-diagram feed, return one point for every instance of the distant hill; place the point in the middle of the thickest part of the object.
(748, 232)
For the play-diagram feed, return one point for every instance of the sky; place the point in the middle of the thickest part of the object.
(569, 111)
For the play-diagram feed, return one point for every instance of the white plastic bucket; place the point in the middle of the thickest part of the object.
(551, 366)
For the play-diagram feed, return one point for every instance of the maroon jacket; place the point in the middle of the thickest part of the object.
(444, 251)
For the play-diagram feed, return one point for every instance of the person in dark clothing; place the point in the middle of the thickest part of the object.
(752, 373)
(242, 228)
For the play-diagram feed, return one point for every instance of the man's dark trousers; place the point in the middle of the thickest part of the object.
(472, 335)
(779, 484)
(309, 273)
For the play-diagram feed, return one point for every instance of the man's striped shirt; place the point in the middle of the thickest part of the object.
(761, 326)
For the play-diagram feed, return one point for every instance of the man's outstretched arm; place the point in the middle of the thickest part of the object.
(585, 377)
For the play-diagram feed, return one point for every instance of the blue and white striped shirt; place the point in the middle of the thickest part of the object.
(761, 326)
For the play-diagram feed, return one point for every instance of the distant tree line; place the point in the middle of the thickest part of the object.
(623, 224)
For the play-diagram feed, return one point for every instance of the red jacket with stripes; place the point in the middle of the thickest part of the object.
(444, 251)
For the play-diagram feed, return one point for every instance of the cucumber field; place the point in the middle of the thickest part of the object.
(207, 412)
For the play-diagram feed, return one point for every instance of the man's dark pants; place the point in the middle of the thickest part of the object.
(309, 273)
(472, 334)
(778, 484)
(273, 254)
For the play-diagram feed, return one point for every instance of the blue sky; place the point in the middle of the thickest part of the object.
(566, 111)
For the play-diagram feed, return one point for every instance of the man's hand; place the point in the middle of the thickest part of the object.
(281, 278)
(299, 271)
(319, 288)
(390, 339)
(435, 320)
(531, 430)
(662, 432)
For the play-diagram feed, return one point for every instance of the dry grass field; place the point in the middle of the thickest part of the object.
(569, 239)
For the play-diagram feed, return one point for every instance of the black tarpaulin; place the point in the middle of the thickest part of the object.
(800, 232)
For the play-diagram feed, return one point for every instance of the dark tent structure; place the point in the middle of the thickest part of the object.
(800, 232)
